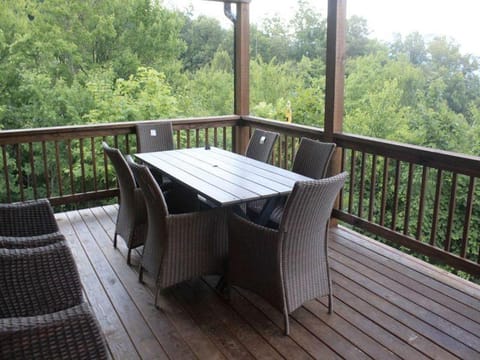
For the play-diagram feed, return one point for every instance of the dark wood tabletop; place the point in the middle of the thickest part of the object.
(223, 177)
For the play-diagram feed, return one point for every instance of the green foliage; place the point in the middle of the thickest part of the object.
(209, 90)
(145, 95)
(204, 37)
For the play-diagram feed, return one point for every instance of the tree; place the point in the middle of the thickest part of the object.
(271, 40)
(204, 37)
(357, 39)
(310, 33)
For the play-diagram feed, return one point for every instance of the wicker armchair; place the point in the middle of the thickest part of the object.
(179, 247)
(312, 159)
(72, 334)
(40, 280)
(28, 218)
(261, 144)
(288, 266)
(132, 216)
(22, 242)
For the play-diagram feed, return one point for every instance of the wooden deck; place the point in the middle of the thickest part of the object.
(387, 306)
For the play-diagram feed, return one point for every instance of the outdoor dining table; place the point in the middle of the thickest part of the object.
(222, 177)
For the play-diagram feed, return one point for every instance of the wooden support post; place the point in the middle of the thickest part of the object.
(335, 68)
(335, 78)
(242, 74)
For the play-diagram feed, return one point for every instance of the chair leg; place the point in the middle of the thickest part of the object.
(330, 303)
(128, 256)
(227, 292)
(287, 323)
(157, 291)
(140, 274)
(115, 240)
(221, 284)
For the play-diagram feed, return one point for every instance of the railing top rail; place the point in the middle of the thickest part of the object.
(434, 158)
(284, 127)
(104, 129)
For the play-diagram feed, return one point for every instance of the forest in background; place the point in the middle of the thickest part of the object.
(81, 62)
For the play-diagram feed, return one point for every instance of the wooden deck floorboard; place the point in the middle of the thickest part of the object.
(387, 305)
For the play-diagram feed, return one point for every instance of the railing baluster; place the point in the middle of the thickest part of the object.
(188, 138)
(20, 172)
(33, 173)
(70, 165)
(82, 165)
(451, 212)
(362, 186)
(59, 170)
(127, 144)
(197, 137)
(225, 137)
(215, 137)
(468, 217)
(342, 167)
(436, 208)
(295, 144)
(373, 184)
(105, 162)
(178, 138)
(285, 152)
(6, 174)
(421, 206)
(94, 163)
(206, 137)
(292, 152)
(408, 200)
(352, 181)
(45, 168)
(279, 152)
(384, 191)
(395, 194)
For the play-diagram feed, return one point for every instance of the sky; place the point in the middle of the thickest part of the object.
(455, 19)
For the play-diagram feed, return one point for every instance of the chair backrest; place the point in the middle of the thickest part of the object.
(152, 192)
(126, 181)
(308, 209)
(261, 144)
(312, 158)
(157, 212)
(27, 218)
(155, 136)
(38, 280)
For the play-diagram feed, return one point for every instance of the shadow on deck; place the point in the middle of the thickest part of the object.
(387, 305)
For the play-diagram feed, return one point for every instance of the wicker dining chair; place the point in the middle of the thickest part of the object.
(72, 333)
(27, 218)
(132, 215)
(289, 265)
(156, 136)
(312, 159)
(40, 280)
(179, 247)
(261, 144)
(153, 137)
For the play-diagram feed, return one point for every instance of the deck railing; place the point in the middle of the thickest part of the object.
(423, 199)
(68, 166)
